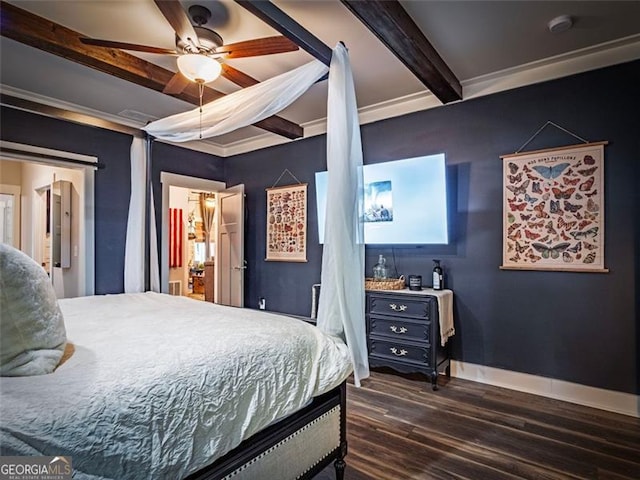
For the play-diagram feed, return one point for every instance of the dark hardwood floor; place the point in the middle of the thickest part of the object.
(398, 428)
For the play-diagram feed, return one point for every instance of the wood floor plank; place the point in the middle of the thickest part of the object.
(601, 438)
(398, 428)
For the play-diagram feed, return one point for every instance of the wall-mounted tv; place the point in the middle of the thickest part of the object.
(405, 201)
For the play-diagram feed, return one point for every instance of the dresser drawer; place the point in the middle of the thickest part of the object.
(400, 329)
(399, 306)
(399, 351)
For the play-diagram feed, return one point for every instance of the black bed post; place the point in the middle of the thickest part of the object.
(340, 465)
(147, 211)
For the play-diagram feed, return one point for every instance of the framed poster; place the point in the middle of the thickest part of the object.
(553, 210)
(287, 223)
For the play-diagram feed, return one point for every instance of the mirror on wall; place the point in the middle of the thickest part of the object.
(10, 218)
(59, 217)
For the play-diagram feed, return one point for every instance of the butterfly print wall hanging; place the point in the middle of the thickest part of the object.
(286, 230)
(553, 208)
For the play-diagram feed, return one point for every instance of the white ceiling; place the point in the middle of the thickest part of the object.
(489, 45)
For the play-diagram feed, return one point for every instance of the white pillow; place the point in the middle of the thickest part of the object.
(32, 333)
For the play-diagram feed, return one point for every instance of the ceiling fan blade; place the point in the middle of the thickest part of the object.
(257, 47)
(237, 77)
(176, 85)
(179, 21)
(126, 46)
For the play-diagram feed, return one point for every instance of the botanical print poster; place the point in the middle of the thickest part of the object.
(553, 212)
(287, 223)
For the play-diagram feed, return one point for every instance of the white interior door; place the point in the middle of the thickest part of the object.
(230, 262)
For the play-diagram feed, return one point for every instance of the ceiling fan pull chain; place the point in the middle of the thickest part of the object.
(200, 94)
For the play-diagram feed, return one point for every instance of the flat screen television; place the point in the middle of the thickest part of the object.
(405, 201)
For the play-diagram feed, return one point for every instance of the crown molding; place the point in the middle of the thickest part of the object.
(53, 102)
(200, 146)
(603, 55)
(579, 61)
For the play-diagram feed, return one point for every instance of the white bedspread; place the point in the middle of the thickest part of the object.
(159, 386)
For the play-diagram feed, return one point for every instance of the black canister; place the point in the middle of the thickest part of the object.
(415, 282)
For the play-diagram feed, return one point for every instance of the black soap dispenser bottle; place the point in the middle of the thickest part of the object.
(437, 275)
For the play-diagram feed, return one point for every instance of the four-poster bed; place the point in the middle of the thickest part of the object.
(291, 444)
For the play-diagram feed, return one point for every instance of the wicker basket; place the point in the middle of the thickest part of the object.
(388, 284)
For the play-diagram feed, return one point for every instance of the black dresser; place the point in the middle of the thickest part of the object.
(403, 332)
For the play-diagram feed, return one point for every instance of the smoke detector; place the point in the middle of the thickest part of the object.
(560, 24)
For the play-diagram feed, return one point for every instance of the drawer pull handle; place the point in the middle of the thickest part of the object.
(399, 330)
(398, 353)
(397, 308)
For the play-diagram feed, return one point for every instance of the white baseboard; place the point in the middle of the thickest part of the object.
(610, 400)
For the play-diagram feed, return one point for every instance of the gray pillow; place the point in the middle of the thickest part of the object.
(32, 333)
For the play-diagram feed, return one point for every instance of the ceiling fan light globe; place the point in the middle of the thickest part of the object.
(199, 68)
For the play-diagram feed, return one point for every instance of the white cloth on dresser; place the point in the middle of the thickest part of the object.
(445, 310)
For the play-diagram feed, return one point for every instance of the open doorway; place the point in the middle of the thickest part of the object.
(211, 263)
(192, 234)
(51, 205)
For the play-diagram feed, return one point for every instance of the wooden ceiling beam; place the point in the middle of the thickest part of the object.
(38, 32)
(283, 23)
(390, 22)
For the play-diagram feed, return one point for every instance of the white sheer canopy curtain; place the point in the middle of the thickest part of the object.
(134, 256)
(134, 251)
(341, 305)
(239, 109)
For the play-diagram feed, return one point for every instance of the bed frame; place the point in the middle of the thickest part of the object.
(299, 446)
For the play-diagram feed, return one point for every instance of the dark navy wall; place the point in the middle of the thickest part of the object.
(113, 183)
(286, 286)
(578, 327)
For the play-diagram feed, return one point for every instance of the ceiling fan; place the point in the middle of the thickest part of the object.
(201, 49)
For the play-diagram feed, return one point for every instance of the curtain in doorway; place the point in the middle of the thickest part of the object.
(176, 232)
(208, 213)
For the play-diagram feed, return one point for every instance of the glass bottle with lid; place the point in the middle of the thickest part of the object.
(380, 270)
